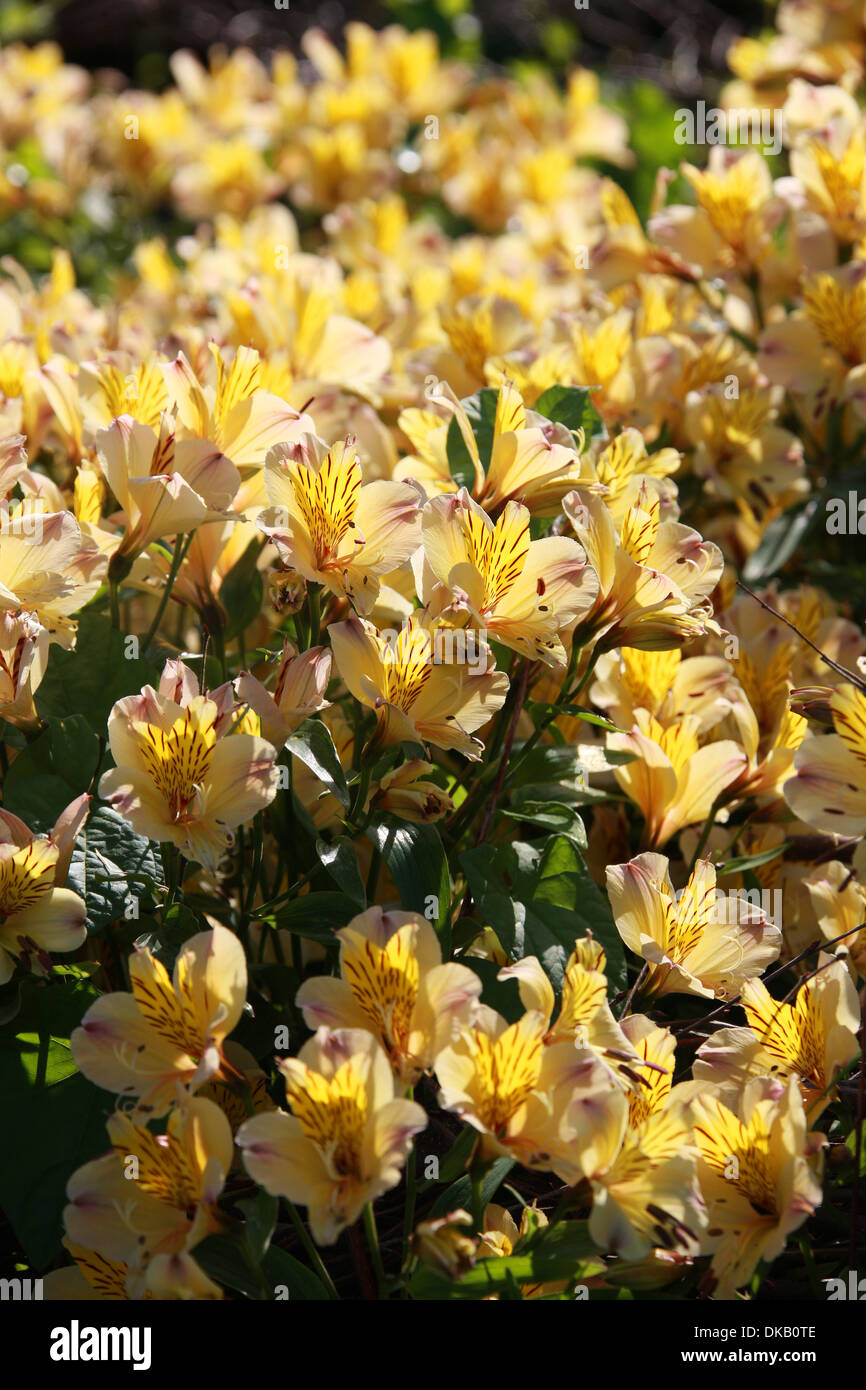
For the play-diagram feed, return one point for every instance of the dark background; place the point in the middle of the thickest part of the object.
(675, 43)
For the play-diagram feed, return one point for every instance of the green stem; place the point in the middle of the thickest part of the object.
(373, 1243)
(409, 1213)
(258, 851)
(314, 594)
(114, 593)
(170, 869)
(704, 836)
(373, 875)
(312, 1252)
(363, 786)
(476, 1177)
(181, 546)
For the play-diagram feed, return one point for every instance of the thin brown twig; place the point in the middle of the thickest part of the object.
(522, 686)
(828, 661)
(730, 1003)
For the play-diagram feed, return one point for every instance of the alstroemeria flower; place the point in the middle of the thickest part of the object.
(756, 1176)
(23, 659)
(47, 568)
(415, 697)
(522, 592)
(518, 1093)
(828, 789)
(347, 1137)
(240, 418)
(695, 942)
(330, 526)
(585, 1017)
(655, 576)
(671, 778)
(812, 1038)
(532, 460)
(407, 792)
(37, 915)
(299, 691)
(169, 1029)
(839, 903)
(153, 1199)
(183, 775)
(641, 1167)
(393, 983)
(164, 485)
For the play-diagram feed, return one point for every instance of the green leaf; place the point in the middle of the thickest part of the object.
(571, 406)
(481, 411)
(501, 995)
(750, 861)
(312, 743)
(416, 861)
(242, 591)
(316, 915)
(456, 1159)
(538, 904)
(341, 861)
(780, 540)
(281, 1268)
(51, 771)
(260, 1213)
(90, 679)
(56, 1116)
(542, 709)
(551, 815)
(228, 1260)
(563, 1251)
(113, 867)
(459, 1194)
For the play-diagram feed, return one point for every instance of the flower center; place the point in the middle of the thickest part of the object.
(178, 761)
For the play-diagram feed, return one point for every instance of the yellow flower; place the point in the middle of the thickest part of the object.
(624, 463)
(183, 776)
(169, 1030)
(756, 1177)
(164, 486)
(663, 683)
(655, 577)
(646, 1196)
(520, 1095)
(406, 792)
(347, 1137)
(37, 915)
(23, 659)
(585, 1017)
(839, 903)
(520, 591)
(415, 697)
(671, 778)
(446, 1245)
(694, 942)
(393, 983)
(239, 418)
(299, 691)
(532, 460)
(330, 526)
(811, 1039)
(827, 790)
(150, 1202)
(47, 568)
